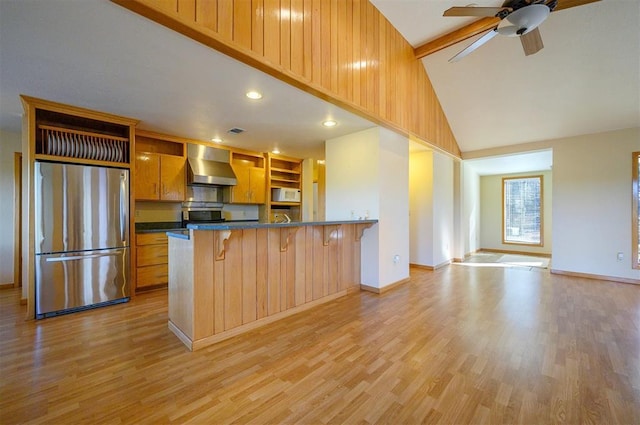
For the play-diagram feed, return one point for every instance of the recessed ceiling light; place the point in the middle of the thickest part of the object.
(329, 123)
(254, 95)
(276, 151)
(216, 140)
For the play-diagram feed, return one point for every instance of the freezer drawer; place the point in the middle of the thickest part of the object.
(73, 281)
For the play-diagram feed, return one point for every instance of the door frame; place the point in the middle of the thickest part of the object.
(17, 219)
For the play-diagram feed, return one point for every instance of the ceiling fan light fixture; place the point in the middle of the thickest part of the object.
(524, 20)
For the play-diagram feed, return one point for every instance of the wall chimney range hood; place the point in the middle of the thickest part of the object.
(209, 166)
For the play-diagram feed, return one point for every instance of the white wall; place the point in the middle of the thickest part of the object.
(394, 207)
(421, 208)
(352, 175)
(308, 206)
(9, 143)
(431, 208)
(491, 214)
(592, 203)
(443, 228)
(367, 174)
(470, 209)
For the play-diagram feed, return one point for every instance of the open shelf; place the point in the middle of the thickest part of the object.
(285, 170)
(286, 204)
(283, 173)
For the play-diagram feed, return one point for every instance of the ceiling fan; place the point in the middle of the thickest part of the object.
(518, 18)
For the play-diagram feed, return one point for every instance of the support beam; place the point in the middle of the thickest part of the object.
(456, 36)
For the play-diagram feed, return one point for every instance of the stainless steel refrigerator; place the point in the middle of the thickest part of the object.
(82, 237)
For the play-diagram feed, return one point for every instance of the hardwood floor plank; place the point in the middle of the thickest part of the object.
(456, 345)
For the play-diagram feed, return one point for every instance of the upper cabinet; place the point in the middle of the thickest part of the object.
(160, 168)
(147, 175)
(250, 172)
(172, 178)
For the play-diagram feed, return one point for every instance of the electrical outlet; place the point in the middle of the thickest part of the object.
(620, 256)
(137, 213)
(396, 259)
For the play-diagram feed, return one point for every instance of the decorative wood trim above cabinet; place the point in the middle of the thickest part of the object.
(77, 111)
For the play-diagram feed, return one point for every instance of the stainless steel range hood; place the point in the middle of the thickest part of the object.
(209, 166)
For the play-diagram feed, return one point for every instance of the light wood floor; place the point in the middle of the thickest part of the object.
(458, 345)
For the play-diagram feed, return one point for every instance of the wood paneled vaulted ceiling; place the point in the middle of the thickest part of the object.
(98, 55)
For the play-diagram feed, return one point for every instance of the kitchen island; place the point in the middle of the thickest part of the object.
(229, 278)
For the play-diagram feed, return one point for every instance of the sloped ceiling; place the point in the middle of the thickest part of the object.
(585, 80)
(98, 55)
(95, 54)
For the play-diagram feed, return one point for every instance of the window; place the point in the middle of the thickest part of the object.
(635, 230)
(522, 210)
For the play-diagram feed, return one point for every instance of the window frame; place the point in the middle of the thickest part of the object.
(504, 240)
(635, 225)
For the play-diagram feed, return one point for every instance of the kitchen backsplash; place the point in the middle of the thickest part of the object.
(149, 212)
(240, 212)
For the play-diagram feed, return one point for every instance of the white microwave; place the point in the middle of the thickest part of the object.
(285, 194)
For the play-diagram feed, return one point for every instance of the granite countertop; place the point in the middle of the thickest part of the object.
(180, 234)
(261, 225)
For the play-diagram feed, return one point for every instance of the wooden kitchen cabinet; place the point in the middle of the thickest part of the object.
(160, 168)
(147, 176)
(151, 260)
(172, 178)
(251, 175)
(160, 177)
(250, 188)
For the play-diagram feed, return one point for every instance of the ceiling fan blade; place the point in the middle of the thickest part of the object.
(531, 42)
(473, 46)
(566, 4)
(474, 11)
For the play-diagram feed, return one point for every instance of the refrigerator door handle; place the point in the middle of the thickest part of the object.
(124, 202)
(80, 257)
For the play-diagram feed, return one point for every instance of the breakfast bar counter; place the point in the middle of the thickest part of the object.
(229, 278)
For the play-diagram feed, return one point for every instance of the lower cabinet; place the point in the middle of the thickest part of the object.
(151, 260)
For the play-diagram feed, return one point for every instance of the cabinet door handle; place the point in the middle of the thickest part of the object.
(155, 188)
